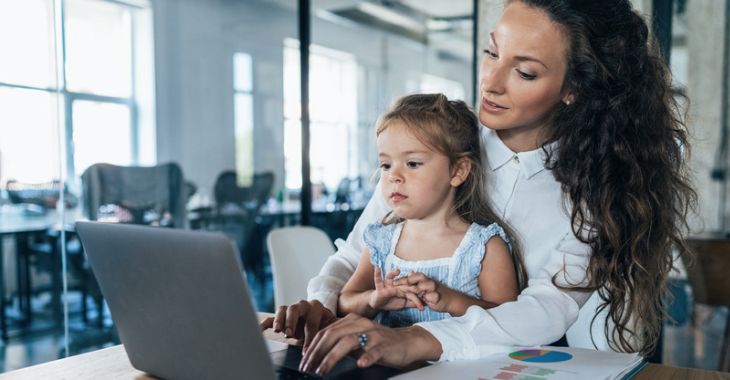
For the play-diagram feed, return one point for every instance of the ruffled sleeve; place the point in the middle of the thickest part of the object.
(377, 239)
(473, 252)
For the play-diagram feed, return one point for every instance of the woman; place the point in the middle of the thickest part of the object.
(587, 151)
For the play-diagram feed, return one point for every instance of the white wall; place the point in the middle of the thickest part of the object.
(704, 42)
(194, 44)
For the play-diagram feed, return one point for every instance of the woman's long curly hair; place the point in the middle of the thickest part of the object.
(622, 163)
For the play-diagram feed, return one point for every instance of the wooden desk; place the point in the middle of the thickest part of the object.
(16, 223)
(112, 363)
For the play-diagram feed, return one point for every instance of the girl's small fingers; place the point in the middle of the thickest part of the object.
(377, 278)
(390, 277)
(432, 297)
(413, 298)
(406, 288)
(426, 286)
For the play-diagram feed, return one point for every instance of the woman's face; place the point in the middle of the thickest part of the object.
(522, 75)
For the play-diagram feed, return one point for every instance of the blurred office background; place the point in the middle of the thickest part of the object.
(188, 114)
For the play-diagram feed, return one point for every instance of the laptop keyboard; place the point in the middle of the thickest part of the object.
(284, 373)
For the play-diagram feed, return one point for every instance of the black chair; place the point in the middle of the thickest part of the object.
(236, 209)
(228, 191)
(149, 194)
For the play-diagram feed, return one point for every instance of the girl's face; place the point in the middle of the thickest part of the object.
(416, 181)
(522, 74)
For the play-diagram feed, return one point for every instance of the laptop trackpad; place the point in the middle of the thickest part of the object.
(345, 369)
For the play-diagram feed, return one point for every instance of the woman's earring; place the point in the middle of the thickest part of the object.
(567, 102)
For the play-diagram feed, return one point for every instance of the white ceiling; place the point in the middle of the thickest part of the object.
(433, 8)
(456, 41)
(441, 8)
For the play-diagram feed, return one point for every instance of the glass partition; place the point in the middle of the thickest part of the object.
(32, 113)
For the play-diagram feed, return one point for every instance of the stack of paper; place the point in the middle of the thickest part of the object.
(542, 363)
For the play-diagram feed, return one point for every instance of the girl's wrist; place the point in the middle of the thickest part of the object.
(355, 302)
(370, 307)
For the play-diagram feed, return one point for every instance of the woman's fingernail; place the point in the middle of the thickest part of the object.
(319, 371)
(288, 332)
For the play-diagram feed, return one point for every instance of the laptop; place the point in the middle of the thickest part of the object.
(181, 305)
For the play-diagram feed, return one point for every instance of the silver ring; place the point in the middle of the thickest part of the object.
(362, 340)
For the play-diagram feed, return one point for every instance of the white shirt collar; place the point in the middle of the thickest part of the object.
(499, 154)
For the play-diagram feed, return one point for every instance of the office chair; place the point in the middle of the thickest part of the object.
(297, 255)
(236, 209)
(228, 191)
(142, 191)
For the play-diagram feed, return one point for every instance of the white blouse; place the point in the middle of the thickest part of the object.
(530, 199)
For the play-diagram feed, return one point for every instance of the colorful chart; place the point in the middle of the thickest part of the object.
(540, 356)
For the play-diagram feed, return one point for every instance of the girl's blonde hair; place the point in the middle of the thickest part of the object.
(451, 128)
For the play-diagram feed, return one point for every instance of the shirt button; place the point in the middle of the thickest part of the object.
(516, 159)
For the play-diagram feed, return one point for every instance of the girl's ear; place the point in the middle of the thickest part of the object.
(460, 171)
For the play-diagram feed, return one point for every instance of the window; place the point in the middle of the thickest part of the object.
(431, 84)
(243, 103)
(73, 81)
(333, 115)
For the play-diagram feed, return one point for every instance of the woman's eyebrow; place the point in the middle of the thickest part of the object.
(520, 58)
(491, 38)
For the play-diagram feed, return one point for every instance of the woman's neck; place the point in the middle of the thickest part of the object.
(522, 139)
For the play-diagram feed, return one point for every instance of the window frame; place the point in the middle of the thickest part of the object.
(69, 97)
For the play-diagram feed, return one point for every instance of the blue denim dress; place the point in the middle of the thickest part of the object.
(460, 271)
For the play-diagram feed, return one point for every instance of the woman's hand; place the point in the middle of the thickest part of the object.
(387, 296)
(391, 347)
(301, 320)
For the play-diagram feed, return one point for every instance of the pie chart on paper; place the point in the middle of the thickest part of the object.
(540, 356)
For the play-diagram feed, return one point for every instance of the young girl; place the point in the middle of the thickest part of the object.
(432, 176)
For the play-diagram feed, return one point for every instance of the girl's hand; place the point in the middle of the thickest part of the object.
(434, 294)
(387, 296)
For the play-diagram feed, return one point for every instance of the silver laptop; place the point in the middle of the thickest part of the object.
(181, 305)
